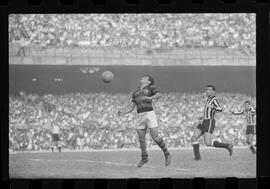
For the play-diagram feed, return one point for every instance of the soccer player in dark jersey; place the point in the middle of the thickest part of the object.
(207, 126)
(146, 117)
(250, 118)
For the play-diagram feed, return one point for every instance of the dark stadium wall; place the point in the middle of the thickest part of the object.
(236, 79)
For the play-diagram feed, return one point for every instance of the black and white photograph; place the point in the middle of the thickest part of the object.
(132, 95)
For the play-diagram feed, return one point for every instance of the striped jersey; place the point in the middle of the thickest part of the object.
(144, 105)
(250, 115)
(209, 113)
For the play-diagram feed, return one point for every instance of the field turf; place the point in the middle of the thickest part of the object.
(215, 163)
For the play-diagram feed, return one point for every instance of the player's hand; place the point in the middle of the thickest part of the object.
(119, 113)
(209, 106)
(200, 119)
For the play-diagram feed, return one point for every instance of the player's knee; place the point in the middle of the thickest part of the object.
(193, 139)
(196, 135)
(157, 139)
(141, 139)
(208, 143)
(155, 136)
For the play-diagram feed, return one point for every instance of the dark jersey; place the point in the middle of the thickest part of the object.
(144, 105)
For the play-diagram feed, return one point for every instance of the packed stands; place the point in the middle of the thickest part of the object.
(152, 31)
(89, 121)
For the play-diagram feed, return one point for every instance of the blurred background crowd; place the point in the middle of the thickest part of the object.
(89, 121)
(153, 31)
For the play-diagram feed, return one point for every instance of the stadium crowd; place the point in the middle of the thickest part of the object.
(89, 121)
(153, 31)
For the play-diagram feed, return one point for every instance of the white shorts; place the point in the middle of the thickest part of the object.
(146, 119)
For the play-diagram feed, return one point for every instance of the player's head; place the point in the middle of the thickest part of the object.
(210, 90)
(147, 79)
(247, 104)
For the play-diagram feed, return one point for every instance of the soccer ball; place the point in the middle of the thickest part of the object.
(107, 76)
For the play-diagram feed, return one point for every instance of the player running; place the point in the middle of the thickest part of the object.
(146, 117)
(206, 127)
(250, 118)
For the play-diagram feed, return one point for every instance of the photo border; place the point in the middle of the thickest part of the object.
(119, 6)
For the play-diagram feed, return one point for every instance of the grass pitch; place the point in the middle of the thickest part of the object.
(215, 163)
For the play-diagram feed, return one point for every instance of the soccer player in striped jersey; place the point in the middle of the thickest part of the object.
(146, 117)
(250, 118)
(207, 126)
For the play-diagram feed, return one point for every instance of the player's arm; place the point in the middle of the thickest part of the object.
(216, 105)
(155, 96)
(199, 121)
(237, 113)
(128, 110)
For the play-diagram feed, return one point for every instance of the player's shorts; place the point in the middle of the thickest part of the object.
(55, 137)
(250, 130)
(146, 119)
(207, 125)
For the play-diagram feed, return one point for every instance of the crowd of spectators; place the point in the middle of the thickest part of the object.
(89, 121)
(152, 31)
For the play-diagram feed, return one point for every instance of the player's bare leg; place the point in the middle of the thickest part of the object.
(195, 143)
(159, 141)
(53, 146)
(58, 146)
(210, 142)
(144, 155)
(250, 143)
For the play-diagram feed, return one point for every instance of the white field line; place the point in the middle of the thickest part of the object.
(115, 163)
(123, 149)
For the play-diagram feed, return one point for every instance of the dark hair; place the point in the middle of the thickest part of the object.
(150, 79)
(211, 86)
(247, 102)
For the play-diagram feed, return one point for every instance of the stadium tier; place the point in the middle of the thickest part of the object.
(153, 31)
